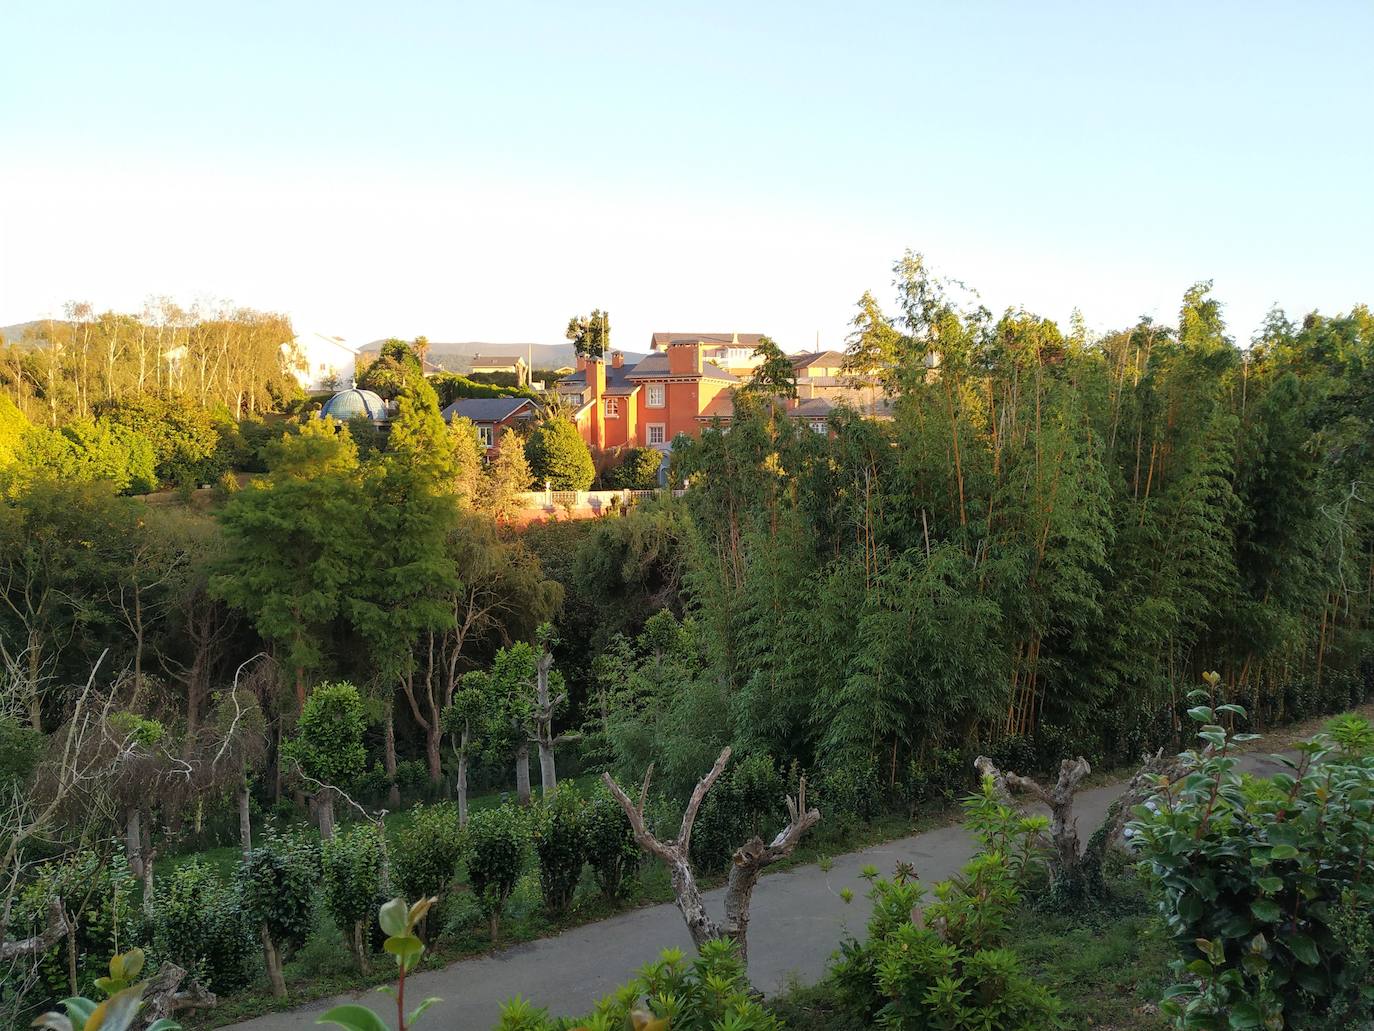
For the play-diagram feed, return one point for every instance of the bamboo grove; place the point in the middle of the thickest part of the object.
(1048, 540)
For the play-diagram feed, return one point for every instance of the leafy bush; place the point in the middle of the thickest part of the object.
(849, 793)
(20, 749)
(411, 774)
(496, 842)
(709, 994)
(611, 848)
(560, 842)
(352, 883)
(277, 885)
(199, 923)
(99, 891)
(329, 742)
(638, 470)
(426, 851)
(743, 802)
(558, 455)
(1262, 882)
(183, 435)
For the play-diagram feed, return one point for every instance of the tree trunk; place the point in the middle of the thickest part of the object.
(133, 839)
(463, 784)
(433, 738)
(148, 859)
(360, 946)
(522, 772)
(245, 822)
(325, 802)
(548, 780)
(393, 795)
(272, 960)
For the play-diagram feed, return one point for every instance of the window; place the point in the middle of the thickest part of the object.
(613, 408)
(574, 399)
(654, 398)
(818, 426)
(657, 434)
(484, 434)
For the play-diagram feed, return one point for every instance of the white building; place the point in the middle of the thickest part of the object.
(320, 362)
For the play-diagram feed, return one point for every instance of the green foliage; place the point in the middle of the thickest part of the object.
(199, 923)
(396, 367)
(450, 387)
(506, 475)
(351, 880)
(638, 470)
(709, 994)
(590, 334)
(425, 852)
(743, 804)
(86, 450)
(1262, 882)
(182, 434)
(611, 848)
(277, 887)
(329, 737)
(495, 843)
(561, 843)
(101, 892)
(20, 749)
(119, 1012)
(398, 922)
(559, 456)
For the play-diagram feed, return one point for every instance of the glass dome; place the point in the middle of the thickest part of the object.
(355, 404)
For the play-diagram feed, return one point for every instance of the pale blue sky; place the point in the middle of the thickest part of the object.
(481, 171)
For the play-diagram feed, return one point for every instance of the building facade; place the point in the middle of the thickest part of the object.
(493, 416)
(320, 362)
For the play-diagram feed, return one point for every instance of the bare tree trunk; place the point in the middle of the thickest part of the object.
(1059, 799)
(272, 960)
(393, 795)
(133, 839)
(325, 803)
(150, 857)
(245, 821)
(547, 778)
(360, 947)
(522, 772)
(463, 782)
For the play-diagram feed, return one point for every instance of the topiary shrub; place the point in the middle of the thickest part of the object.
(560, 843)
(328, 746)
(611, 848)
(199, 924)
(426, 851)
(1264, 883)
(558, 455)
(277, 893)
(496, 841)
(351, 883)
(638, 470)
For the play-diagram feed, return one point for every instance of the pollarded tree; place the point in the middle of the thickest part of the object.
(466, 720)
(328, 747)
(748, 863)
(277, 882)
(559, 456)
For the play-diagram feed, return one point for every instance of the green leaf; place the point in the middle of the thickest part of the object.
(1283, 852)
(1270, 884)
(117, 1012)
(1266, 910)
(353, 1017)
(79, 1009)
(53, 1022)
(1245, 1014)
(419, 1011)
(1304, 948)
(164, 1024)
(406, 948)
(392, 917)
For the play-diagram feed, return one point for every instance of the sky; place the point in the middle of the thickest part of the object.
(483, 171)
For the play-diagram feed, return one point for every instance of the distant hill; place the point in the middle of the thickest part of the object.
(456, 356)
(13, 334)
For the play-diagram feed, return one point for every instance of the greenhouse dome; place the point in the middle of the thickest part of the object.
(355, 404)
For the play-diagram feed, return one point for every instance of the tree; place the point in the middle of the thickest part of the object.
(295, 543)
(328, 747)
(590, 334)
(464, 720)
(638, 470)
(468, 453)
(507, 475)
(559, 456)
(774, 376)
(395, 368)
(750, 859)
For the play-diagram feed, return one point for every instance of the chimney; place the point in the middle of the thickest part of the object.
(617, 359)
(684, 359)
(581, 363)
(596, 378)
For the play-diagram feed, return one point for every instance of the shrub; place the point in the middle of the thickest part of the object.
(426, 850)
(182, 434)
(558, 455)
(99, 890)
(638, 470)
(351, 881)
(199, 924)
(560, 842)
(740, 806)
(411, 774)
(611, 848)
(277, 886)
(496, 841)
(710, 993)
(1261, 882)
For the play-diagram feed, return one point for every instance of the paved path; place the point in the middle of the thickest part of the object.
(797, 920)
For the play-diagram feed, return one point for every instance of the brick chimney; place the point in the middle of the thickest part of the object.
(684, 359)
(596, 390)
(617, 359)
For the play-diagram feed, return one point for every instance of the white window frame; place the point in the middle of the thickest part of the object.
(819, 426)
(486, 434)
(613, 408)
(662, 394)
(662, 433)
